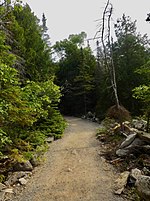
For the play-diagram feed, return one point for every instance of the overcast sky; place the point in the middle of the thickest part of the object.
(65, 17)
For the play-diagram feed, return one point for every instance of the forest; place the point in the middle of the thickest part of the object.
(40, 83)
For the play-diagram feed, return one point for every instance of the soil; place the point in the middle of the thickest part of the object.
(73, 169)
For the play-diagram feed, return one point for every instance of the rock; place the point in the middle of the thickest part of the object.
(128, 140)
(2, 186)
(137, 142)
(97, 120)
(101, 137)
(27, 166)
(69, 170)
(146, 162)
(15, 176)
(23, 181)
(144, 136)
(2, 194)
(146, 171)
(134, 147)
(103, 159)
(50, 139)
(74, 152)
(90, 115)
(146, 149)
(143, 187)
(121, 182)
(122, 152)
(133, 130)
(8, 190)
(135, 173)
(139, 124)
(127, 123)
(35, 161)
(4, 191)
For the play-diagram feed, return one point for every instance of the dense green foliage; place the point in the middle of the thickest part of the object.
(142, 92)
(130, 52)
(76, 75)
(28, 96)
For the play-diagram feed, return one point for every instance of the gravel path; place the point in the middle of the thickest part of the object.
(73, 169)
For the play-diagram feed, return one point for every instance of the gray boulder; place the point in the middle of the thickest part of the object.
(122, 152)
(144, 136)
(134, 147)
(27, 166)
(128, 140)
(143, 187)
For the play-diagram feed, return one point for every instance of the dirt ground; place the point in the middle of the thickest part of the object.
(73, 169)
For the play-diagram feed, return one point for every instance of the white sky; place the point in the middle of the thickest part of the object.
(65, 17)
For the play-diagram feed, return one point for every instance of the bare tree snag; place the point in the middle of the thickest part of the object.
(117, 111)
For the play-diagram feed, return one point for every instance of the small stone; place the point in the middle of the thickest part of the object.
(122, 152)
(74, 152)
(23, 181)
(8, 190)
(2, 186)
(69, 170)
(121, 182)
(2, 194)
(146, 171)
(135, 173)
(15, 176)
(103, 159)
(119, 191)
(50, 139)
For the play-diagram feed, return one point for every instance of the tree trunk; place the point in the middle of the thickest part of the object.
(109, 61)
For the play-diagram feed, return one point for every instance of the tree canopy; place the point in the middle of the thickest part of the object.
(29, 97)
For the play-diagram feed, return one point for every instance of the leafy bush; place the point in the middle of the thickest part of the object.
(4, 139)
(28, 114)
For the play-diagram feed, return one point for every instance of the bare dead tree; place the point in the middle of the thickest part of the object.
(117, 111)
(106, 33)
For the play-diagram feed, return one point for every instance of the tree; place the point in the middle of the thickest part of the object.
(142, 92)
(117, 111)
(75, 74)
(44, 28)
(130, 51)
(37, 53)
(28, 109)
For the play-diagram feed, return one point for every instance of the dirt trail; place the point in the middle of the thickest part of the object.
(73, 169)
